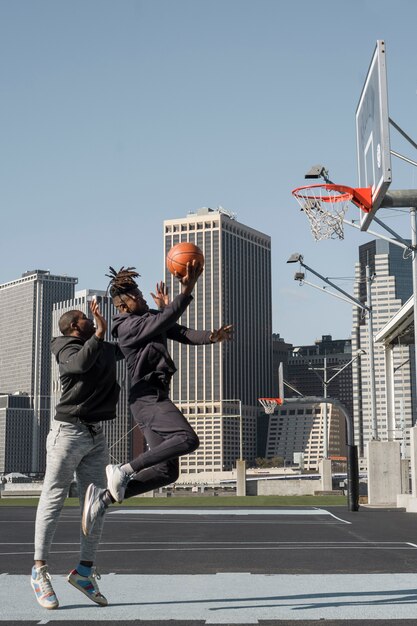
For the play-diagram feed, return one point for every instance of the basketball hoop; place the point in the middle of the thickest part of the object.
(325, 206)
(269, 404)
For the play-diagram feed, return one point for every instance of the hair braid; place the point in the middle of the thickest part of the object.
(122, 281)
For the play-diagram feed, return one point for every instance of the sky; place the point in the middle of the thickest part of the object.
(116, 115)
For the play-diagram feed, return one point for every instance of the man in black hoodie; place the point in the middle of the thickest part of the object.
(76, 444)
(142, 334)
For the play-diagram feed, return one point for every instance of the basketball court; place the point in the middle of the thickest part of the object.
(222, 566)
(299, 565)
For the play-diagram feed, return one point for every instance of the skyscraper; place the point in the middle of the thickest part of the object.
(25, 337)
(217, 386)
(16, 419)
(391, 286)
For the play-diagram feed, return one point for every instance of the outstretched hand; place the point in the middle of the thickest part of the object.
(101, 324)
(224, 333)
(161, 298)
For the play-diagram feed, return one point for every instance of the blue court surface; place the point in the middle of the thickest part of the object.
(223, 566)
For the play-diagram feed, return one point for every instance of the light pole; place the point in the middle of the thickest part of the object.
(352, 450)
(240, 463)
(367, 308)
(326, 382)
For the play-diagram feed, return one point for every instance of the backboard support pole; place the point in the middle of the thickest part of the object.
(413, 216)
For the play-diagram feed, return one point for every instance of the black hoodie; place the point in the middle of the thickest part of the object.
(87, 372)
(143, 340)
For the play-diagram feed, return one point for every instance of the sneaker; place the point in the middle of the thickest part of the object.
(117, 481)
(88, 585)
(42, 586)
(94, 507)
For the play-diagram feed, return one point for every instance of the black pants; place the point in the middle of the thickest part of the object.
(168, 435)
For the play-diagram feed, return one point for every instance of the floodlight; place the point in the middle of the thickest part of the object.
(318, 171)
(295, 258)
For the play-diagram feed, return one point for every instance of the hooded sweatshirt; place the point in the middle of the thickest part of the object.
(87, 372)
(143, 340)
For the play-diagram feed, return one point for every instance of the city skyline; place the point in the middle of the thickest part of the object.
(165, 107)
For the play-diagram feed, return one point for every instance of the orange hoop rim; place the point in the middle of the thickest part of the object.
(276, 400)
(345, 193)
(361, 196)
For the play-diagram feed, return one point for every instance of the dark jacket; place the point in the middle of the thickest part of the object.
(143, 340)
(87, 372)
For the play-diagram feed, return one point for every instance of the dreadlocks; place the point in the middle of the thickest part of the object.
(122, 281)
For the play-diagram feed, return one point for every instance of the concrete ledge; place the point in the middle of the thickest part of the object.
(408, 502)
(412, 505)
(402, 500)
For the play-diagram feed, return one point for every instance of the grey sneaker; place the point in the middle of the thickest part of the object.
(117, 481)
(88, 585)
(42, 586)
(94, 507)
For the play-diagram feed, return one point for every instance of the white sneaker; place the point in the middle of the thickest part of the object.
(94, 508)
(88, 585)
(117, 481)
(42, 586)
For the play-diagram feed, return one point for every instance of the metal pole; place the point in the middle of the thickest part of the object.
(374, 420)
(241, 431)
(352, 450)
(325, 425)
(414, 265)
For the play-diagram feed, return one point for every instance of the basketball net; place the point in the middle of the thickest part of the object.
(325, 207)
(269, 404)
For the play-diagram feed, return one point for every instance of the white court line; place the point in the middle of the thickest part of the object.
(214, 542)
(217, 512)
(230, 546)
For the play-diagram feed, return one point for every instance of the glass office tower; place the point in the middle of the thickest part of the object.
(391, 286)
(25, 338)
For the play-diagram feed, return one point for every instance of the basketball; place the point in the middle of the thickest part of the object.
(181, 254)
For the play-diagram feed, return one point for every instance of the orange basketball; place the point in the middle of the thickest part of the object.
(181, 254)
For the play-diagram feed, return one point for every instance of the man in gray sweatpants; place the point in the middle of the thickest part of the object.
(76, 444)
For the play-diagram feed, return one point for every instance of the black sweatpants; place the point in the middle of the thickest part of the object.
(168, 435)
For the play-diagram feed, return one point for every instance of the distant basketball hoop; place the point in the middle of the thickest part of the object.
(325, 206)
(269, 404)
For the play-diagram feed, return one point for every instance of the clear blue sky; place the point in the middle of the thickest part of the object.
(118, 115)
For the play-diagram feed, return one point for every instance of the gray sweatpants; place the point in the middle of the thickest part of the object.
(70, 448)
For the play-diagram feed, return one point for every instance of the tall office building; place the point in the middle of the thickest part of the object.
(25, 335)
(391, 286)
(217, 386)
(16, 419)
(124, 438)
